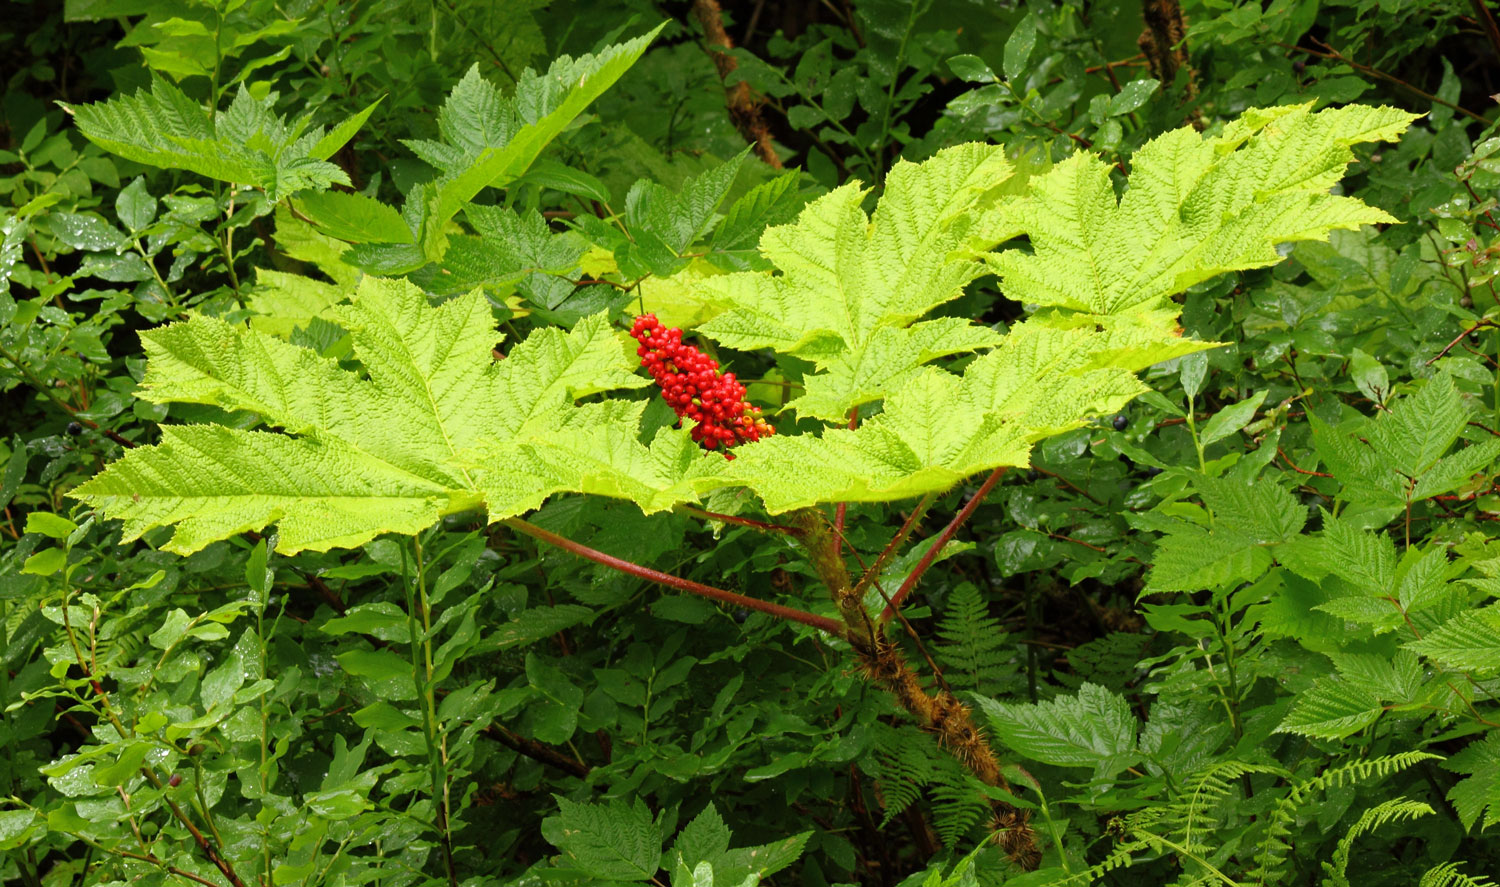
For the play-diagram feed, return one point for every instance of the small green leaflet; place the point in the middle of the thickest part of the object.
(489, 140)
(246, 143)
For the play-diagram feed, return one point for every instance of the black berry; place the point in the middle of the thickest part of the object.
(75, 429)
(1152, 471)
(741, 615)
(1033, 474)
(1120, 422)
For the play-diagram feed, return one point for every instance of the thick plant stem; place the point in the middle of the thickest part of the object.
(882, 661)
(832, 626)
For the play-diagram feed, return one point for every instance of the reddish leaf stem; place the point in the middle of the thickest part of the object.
(742, 521)
(942, 540)
(832, 626)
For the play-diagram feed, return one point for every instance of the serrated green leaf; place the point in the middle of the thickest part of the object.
(1420, 428)
(283, 302)
(354, 217)
(1196, 208)
(1331, 708)
(615, 841)
(845, 276)
(537, 623)
(247, 143)
(1468, 642)
(703, 840)
(1477, 797)
(389, 450)
(1095, 729)
(490, 140)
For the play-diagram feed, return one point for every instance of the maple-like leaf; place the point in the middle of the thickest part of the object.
(1194, 208)
(352, 455)
(851, 285)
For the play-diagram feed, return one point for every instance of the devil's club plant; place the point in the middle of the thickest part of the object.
(431, 424)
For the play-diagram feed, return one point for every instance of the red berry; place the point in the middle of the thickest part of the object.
(692, 386)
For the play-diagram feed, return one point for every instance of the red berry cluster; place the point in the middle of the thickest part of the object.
(692, 385)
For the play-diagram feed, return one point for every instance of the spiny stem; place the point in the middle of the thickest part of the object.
(822, 623)
(942, 540)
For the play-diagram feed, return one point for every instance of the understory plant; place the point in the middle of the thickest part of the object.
(1090, 487)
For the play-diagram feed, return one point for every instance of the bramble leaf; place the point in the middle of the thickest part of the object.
(246, 143)
(489, 140)
(615, 841)
(1093, 729)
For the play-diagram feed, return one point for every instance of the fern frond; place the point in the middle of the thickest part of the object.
(974, 650)
(957, 806)
(1122, 856)
(1276, 842)
(1373, 818)
(1448, 875)
(1207, 789)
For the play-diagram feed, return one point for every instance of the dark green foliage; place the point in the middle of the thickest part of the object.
(1244, 633)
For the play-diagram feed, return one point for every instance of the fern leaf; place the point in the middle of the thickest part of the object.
(975, 651)
(1448, 875)
(1392, 810)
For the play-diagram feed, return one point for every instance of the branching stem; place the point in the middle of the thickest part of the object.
(942, 540)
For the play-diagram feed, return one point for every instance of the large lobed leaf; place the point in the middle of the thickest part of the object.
(353, 455)
(1195, 208)
(851, 285)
